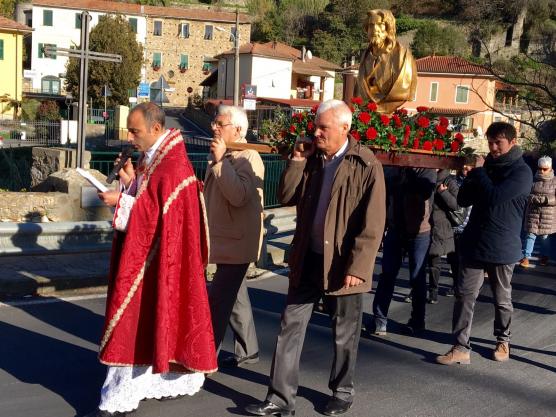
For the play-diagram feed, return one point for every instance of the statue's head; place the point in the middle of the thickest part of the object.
(380, 26)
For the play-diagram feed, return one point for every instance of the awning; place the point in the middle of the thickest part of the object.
(453, 112)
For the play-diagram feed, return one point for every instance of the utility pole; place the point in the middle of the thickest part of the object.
(236, 62)
(84, 55)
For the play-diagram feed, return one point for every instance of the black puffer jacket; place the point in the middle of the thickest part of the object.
(442, 233)
(498, 193)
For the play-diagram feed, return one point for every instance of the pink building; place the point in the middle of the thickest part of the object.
(463, 92)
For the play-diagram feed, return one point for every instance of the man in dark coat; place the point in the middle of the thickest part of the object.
(497, 188)
(340, 196)
(442, 233)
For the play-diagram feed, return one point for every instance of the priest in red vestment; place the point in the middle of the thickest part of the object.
(158, 340)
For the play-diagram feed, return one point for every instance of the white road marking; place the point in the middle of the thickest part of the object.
(50, 300)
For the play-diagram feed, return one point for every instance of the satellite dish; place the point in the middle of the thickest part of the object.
(309, 55)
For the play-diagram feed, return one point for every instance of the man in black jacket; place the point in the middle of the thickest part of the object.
(497, 188)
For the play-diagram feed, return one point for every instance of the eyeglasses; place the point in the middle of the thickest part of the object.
(219, 125)
(544, 169)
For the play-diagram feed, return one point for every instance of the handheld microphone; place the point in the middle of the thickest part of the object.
(126, 154)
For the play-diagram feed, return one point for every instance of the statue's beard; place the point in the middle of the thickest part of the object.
(377, 42)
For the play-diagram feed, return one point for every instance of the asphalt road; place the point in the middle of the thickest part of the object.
(49, 367)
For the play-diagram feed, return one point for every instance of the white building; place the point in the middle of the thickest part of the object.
(278, 71)
(58, 23)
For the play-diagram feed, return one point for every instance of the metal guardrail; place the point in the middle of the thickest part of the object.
(55, 237)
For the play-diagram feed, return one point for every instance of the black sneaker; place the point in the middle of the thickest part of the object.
(408, 298)
(413, 329)
(433, 297)
(449, 292)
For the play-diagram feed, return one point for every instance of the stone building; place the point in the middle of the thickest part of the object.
(181, 46)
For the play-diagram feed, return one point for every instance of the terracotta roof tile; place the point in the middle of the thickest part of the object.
(135, 9)
(292, 102)
(449, 65)
(453, 112)
(11, 25)
(313, 66)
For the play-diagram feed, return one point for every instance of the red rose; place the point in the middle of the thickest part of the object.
(459, 137)
(357, 100)
(407, 132)
(314, 108)
(423, 122)
(351, 108)
(402, 111)
(384, 119)
(420, 134)
(371, 133)
(441, 130)
(443, 121)
(397, 120)
(372, 106)
(427, 145)
(292, 129)
(439, 144)
(421, 109)
(454, 146)
(310, 127)
(392, 138)
(355, 134)
(365, 117)
(415, 143)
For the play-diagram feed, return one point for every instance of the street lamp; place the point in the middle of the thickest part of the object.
(236, 58)
(69, 100)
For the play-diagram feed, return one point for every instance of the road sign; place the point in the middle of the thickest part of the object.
(143, 90)
(250, 91)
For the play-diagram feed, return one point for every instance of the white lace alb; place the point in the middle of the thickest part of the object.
(126, 386)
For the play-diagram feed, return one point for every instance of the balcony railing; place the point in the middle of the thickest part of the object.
(40, 91)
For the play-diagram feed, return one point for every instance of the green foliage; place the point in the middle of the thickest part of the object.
(433, 39)
(29, 109)
(272, 128)
(7, 8)
(48, 110)
(112, 35)
(406, 23)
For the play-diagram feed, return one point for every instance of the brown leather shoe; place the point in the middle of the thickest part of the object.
(454, 356)
(524, 263)
(502, 352)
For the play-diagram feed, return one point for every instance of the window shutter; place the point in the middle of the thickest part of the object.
(1, 48)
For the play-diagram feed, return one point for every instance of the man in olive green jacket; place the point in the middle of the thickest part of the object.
(338, 187)
(234, 199)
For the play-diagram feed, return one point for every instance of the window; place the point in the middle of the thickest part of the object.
(509, 36)
(157, 28)
(28, 18)
(434, 92)
(184, 30)
(133, 24)
(1, 48)
(233, 34)
(47, 17)
(207, 66)
(184, 61)
(78, 20)
(208, 32)
(41, 50)
(462, 94)
(157, 59)
(50, 85)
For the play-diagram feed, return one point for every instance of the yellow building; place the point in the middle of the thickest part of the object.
(11, 63)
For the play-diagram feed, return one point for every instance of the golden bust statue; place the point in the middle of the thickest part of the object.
(387, 72)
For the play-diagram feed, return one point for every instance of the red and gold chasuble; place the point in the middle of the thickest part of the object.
(157, 311)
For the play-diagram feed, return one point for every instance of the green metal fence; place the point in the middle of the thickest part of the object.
(274, 165)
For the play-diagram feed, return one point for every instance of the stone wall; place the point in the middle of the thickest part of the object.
(46, 161)
(171, 45)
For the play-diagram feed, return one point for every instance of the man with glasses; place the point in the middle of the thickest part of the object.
(234, 200)
(497, 188)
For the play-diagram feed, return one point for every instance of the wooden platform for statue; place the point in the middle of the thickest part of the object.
(415, 158)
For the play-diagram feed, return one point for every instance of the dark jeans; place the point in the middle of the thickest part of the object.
(345, 312)
(417, 248)
(469, 284)
(229, 303)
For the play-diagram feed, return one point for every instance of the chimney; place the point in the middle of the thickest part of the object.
(303, 52)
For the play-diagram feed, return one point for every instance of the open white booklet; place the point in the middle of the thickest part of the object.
(96, 183)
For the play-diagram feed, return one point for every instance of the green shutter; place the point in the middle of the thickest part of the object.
(78, 20)
(133, 24)
(47, 17)
(434, 92)
(1, 48)
(41, 52)
(157, 59)
(184, 61)
(461, 94)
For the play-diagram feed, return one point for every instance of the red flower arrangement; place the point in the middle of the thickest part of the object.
(423, 130)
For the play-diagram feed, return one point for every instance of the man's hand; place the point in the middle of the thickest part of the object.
(351, 281)
(110, 198)
(127, 173)
(303, 148)
(218, 148)
(442, 187)
(479, 161)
